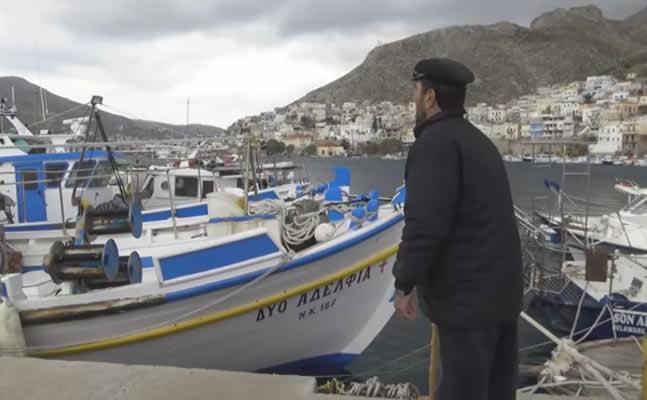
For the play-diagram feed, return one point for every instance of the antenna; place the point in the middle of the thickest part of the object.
(42, 104)
(186, 129)
(187, 111)
(45, 101)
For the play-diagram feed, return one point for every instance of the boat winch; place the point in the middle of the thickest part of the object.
(97, 222)
(129, 272)
(83, 262)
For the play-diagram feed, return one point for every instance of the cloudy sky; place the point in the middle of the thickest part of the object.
(231, 58)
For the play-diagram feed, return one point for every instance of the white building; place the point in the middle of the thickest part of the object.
(557, 125)
(591, 115)
(285, 130)
(570, 93)
(349, 106)
(527, 102)
(479, 113)
(496, 116)
(318, 111)
(599, 83)
(279, 119)
(621, 95)
(609, 140)
(513, 114)
(512, 131)
(571, 109)
(525, 130)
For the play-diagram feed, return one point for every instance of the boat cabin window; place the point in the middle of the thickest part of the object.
(149, 188)
(98, 174)
(54, 174)
(186, 186)
(29, 176)
(207, 187)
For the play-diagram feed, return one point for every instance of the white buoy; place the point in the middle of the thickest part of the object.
(12, 340)
(324, 232)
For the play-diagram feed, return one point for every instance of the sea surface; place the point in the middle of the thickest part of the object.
(400, 353)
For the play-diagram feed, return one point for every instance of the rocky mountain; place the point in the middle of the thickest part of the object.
(636, 26)
(508, 60)
(28, 104)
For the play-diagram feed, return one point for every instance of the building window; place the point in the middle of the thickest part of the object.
(186, 186)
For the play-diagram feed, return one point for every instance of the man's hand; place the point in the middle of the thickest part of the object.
(405, 306)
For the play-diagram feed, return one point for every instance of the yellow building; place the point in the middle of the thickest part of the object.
(330, 149)
(298, 140)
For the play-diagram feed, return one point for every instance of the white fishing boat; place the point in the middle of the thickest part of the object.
(41, 188)
(624, 229)
(268, 291)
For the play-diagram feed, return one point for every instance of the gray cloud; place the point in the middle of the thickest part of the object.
(120, 19)
(125, 19)
(240, 57)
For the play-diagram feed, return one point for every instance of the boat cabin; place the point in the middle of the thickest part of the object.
(191, 185)
(41, 186)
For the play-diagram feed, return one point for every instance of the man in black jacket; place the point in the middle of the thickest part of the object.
(460, 247)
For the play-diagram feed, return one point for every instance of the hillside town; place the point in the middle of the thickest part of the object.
(609, 113)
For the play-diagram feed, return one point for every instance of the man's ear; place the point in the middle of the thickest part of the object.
(429, 98)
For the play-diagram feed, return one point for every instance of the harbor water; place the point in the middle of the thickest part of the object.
(399, 354)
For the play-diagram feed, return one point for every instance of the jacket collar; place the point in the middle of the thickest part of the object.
(420, 126)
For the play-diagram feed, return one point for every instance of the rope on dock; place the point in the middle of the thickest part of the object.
(566, 357)
(372, 387)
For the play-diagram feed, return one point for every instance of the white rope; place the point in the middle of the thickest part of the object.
(566, 356)
(373, 387)
(301, 229)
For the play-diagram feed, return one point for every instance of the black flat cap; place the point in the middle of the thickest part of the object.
(443, 70)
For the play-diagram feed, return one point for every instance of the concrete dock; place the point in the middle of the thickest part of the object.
(34, 379)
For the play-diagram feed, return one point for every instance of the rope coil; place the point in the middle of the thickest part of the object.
(372, 387)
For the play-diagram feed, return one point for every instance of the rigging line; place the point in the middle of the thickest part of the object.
(111, 158)
(371, 371)
(83, 149)
(157, 124)
(58, 115)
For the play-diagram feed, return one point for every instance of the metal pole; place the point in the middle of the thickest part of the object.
(171, 201)
(199, 183)
(245, 177)
(24, 201)
(132, 185)
(588, 200)
(644, 372)
(613, 270)
(433, 362)
(42, 103)
(60, 199)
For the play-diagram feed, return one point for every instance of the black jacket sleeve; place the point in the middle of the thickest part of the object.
(433, 186)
